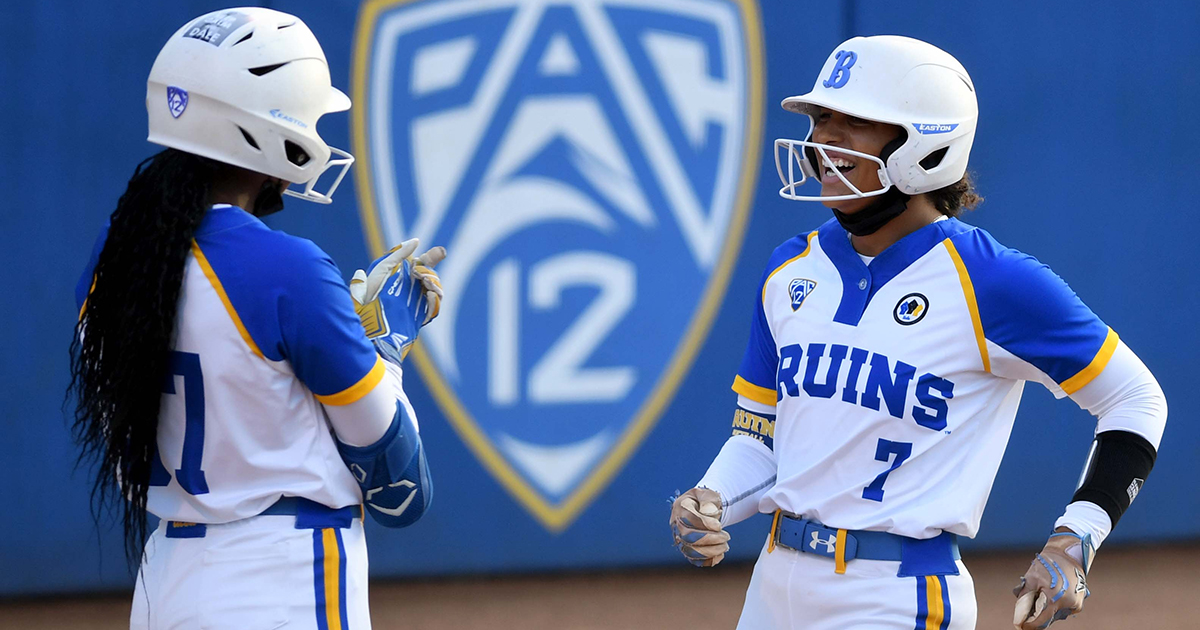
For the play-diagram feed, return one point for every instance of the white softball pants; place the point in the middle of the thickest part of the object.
(798, 591)
(259, 573)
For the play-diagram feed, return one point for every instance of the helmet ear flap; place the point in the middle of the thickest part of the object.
(890, 148)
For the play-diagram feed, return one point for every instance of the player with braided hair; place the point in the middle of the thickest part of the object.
(222, 378)
(887, 356)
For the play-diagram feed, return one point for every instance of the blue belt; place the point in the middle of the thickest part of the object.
(933, 556)
(309, 515)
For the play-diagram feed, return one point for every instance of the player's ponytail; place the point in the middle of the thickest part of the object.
(959, 196)
(120, 351)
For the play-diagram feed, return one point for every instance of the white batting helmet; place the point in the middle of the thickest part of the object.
(896, 80)
(246, 87)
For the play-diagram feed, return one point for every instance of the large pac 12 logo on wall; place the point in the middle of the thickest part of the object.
(589, 165)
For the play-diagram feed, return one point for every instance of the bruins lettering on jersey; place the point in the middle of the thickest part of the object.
(886, 380)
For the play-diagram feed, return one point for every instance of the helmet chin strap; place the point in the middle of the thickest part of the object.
(269, 199)
(886, 207)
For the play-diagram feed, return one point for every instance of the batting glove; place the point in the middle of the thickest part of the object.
(397, 296)
(1055, 585)
(696, 526)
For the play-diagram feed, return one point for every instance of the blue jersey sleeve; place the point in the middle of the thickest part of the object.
(322, 337)
(1028, 311)
(292, 304)
(756, 377)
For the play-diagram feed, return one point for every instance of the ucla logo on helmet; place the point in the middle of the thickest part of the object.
(840, 74)
(911, 309)
(799, 289)
(547, 144)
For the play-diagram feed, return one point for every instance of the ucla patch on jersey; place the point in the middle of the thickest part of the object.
(799, 289)
(587, 164)
(911, 309)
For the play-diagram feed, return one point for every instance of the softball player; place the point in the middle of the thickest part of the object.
(221, 374)
(887, 357)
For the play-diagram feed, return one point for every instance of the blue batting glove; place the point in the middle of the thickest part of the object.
(396, 297)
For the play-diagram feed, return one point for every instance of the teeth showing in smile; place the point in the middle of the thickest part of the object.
(845, 166)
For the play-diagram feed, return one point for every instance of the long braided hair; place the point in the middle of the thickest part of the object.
(121, 347)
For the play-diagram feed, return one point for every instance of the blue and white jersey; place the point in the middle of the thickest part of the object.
(266, 333)
(895, 384)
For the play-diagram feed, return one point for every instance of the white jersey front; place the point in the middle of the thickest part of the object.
(265, 334)
(895, 384)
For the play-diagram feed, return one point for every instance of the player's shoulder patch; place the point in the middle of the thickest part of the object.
(798, 289)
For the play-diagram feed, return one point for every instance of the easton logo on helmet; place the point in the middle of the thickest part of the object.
(275, 113)
(934, 128)
(841, 71)
(177, 99)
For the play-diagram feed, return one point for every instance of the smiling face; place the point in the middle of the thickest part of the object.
(836, 129)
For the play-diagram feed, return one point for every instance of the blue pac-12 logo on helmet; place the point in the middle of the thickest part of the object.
(589, 166)
(177, 100)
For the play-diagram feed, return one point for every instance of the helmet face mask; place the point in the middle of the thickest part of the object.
(339, 158)
(897, 81)
(246, 87)
(799, 159)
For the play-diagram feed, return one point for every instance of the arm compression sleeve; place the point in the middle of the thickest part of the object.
(1132, 412)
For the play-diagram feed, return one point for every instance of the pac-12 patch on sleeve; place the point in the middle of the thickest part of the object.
(758, 426)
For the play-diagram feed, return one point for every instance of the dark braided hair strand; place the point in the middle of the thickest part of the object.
(122, 343)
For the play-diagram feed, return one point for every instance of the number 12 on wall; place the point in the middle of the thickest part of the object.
(883, 451)
(189, 475)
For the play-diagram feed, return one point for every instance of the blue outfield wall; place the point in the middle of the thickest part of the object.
(558, 420)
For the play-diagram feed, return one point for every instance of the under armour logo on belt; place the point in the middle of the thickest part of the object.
(830, 543)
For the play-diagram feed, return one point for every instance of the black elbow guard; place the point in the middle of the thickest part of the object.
(1119, 463)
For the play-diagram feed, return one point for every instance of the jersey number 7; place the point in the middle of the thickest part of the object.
(886, 448)
(189, 474)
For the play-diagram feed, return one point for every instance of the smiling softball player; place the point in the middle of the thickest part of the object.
(887, 356)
